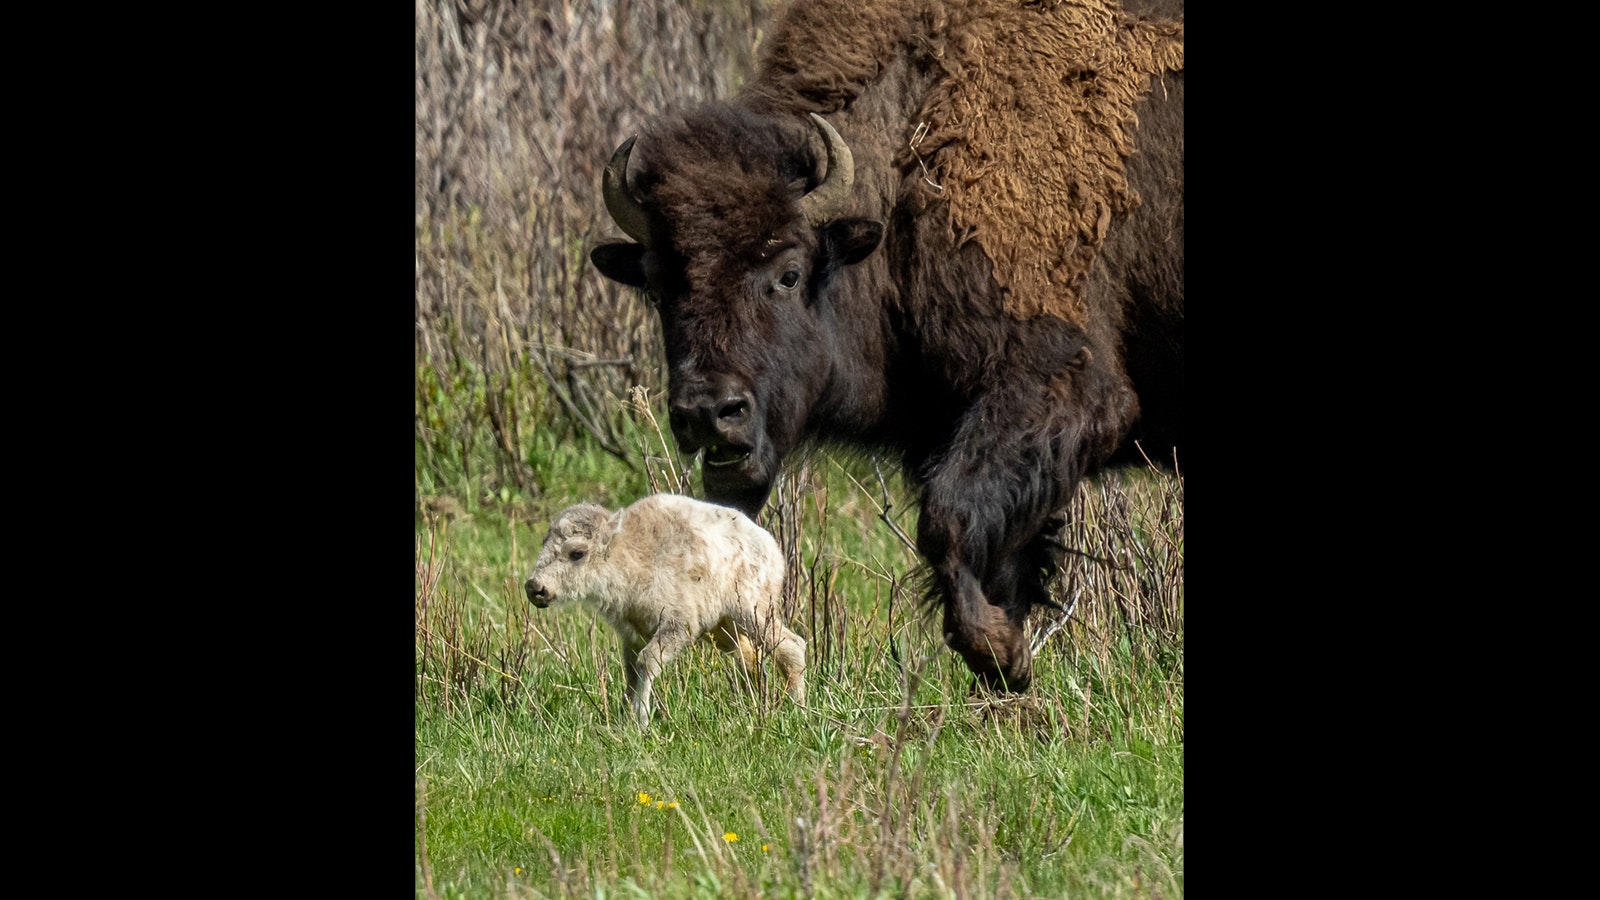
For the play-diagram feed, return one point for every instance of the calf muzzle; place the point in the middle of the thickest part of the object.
(537, 595)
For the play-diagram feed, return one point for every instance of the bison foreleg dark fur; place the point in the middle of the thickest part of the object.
(994, 500)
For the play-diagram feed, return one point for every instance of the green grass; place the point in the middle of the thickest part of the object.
(853, 806)
(897, 780)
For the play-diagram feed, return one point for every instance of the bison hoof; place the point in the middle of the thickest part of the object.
(1002, 683)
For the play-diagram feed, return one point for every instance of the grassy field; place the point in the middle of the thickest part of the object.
(897, 780)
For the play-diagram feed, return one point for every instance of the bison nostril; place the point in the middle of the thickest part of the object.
(734, 408)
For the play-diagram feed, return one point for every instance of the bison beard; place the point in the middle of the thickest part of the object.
(916, 232)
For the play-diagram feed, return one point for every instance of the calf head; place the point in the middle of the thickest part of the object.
(737, 239)
(565, 561)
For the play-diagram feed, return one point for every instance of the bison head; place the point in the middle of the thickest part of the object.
(738, 236)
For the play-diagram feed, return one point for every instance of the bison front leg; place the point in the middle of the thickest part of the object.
(992, 498)
(990, 504)
(988, 635)
(964, 533)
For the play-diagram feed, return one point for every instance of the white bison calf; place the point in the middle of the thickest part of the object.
(665, 571)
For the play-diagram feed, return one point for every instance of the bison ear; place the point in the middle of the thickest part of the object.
(852, 240)
(620, 261)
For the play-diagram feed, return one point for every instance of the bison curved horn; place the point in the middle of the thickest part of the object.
(833, 193)
(625, 210)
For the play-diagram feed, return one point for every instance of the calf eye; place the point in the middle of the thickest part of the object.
(575, 555)
(789, 278)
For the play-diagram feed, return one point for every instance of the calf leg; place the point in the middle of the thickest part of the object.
(668, 641)
(790, 655)
(630, 669)
(729, 639)
(788, 650)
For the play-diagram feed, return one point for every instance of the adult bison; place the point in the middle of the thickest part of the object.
(948, 230)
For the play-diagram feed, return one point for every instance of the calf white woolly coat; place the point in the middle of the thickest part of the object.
(664, 572)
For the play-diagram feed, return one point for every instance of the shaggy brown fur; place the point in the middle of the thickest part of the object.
(1020, 83)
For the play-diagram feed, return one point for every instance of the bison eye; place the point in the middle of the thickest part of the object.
(575, 555)
(790, 278)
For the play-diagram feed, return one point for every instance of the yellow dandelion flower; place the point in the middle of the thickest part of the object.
(660, 804)
(673, 804)
(764, 848)
(519, 870)
(729, 836)
(643, 797)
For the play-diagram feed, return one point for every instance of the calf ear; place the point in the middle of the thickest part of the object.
(852, 240)
(620, 261)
